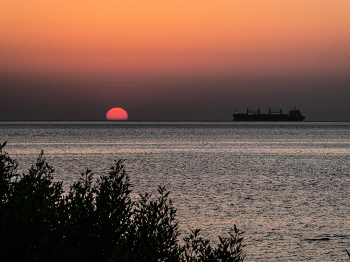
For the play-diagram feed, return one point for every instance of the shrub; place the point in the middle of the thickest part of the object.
(94, 220)
(198, 249)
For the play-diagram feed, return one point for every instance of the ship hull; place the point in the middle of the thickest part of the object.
(268, 117)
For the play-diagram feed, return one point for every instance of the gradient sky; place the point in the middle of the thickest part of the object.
(173, 60)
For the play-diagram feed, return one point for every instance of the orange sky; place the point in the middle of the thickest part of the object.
(162, 49)
(175, 36)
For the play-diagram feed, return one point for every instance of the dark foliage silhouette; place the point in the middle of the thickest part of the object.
(96, 220)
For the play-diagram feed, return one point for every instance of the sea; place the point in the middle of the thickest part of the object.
(286, 185)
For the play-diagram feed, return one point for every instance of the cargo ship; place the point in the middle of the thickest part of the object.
(273, 115)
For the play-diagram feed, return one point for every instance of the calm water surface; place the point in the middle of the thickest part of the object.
(287, 185)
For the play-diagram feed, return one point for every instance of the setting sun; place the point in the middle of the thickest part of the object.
(117, 113)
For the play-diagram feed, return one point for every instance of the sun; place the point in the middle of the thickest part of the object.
(117, 113)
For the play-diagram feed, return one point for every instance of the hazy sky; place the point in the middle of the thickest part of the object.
(173, 60)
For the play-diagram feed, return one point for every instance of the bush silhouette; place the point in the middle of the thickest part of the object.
(96, 220)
